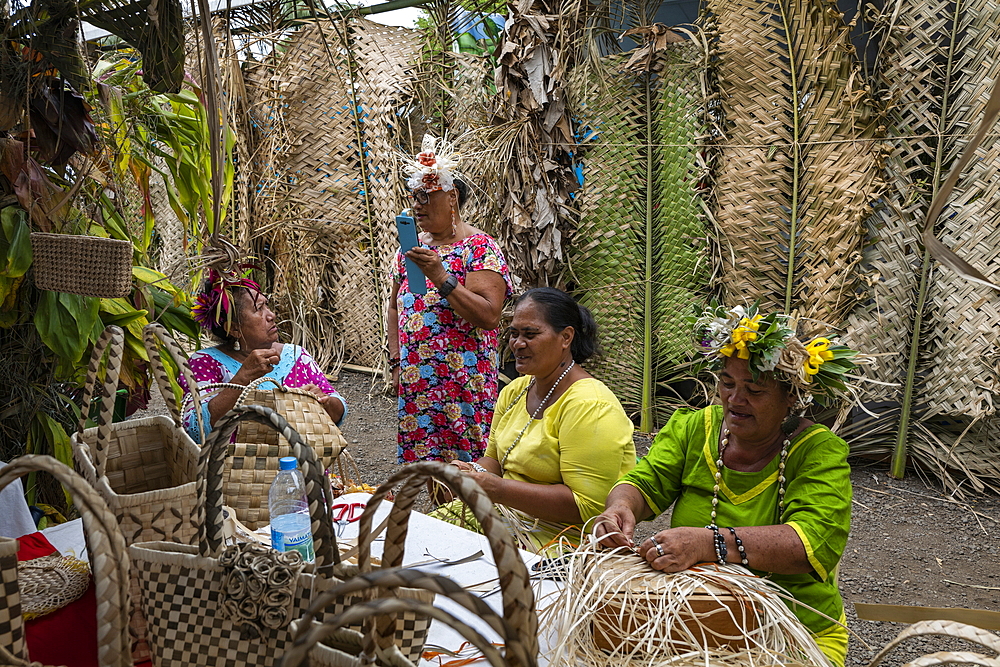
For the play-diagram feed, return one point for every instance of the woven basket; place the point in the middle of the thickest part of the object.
(145, 469)
(252, 460)
(184, 598)
(109, 564)
(518, 628)
(85, 265)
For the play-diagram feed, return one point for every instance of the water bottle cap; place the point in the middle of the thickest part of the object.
(288, 463)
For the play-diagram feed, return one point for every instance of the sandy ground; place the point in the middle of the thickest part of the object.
(910, 544)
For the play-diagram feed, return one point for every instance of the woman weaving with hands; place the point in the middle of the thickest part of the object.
(560, 437)
(750, 480)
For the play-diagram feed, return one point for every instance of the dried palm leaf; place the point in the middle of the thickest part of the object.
(538, 49)
(798, 169)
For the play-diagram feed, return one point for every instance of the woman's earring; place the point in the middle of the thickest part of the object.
(454, 221)
(236, 345)
(790, 424)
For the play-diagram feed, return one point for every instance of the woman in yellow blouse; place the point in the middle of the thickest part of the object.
(560, 438)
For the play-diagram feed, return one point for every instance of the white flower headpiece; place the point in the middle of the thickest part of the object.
(433, 168)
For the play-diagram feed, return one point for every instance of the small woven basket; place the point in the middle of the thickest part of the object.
(85, 265)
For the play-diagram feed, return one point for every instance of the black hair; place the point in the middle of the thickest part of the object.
(463, 192)
(561, 310)
(236, 303)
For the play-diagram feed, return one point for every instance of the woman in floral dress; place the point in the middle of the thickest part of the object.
(443, 345)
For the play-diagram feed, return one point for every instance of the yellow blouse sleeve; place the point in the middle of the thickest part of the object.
(595, 446)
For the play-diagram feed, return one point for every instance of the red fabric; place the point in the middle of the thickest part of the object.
(34, 546)
(67, 636)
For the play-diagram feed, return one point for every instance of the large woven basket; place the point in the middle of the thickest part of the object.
(85, 265)
(145, 469)
(518, 628)
(188, 597)
(252, 459)
(109, 564)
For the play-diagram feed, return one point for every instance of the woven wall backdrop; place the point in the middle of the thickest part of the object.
(639, 258)
(340, 89)
(797, 171)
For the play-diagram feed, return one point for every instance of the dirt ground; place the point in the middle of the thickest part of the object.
(910, 544)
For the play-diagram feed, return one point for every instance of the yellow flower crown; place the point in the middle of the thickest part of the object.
(819, 368)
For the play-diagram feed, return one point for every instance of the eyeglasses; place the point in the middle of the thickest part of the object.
(420, 196)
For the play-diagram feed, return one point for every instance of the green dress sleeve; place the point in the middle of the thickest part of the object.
(658, 475)
(818, 498)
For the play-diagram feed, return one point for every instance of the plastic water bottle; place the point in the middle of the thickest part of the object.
(289, 509)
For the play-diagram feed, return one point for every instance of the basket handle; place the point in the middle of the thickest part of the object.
(108, 556)
(112, 339)
(150, 334)
(518, 596)
(373, 583)
(309, 635)
(213, 459)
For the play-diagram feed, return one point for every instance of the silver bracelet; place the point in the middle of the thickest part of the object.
(478, 468)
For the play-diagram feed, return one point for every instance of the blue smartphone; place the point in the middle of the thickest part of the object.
(406, 227)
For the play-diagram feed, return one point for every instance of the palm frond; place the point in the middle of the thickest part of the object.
(639, 259)
(797, 167)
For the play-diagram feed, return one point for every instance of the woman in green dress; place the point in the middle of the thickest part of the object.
(750, 480)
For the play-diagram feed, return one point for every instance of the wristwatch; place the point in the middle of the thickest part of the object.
(449, 284)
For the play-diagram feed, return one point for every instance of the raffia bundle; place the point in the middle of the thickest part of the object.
(616, 610)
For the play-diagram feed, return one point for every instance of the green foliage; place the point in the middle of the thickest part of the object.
(66, 323)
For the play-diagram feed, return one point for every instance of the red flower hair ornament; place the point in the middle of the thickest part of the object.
(213, 307)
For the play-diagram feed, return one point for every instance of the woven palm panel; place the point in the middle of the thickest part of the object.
(934, 111)
(638, 261)
(342, 85)
(962, 327)
(385, 69)
(795, 172)
(315, 180)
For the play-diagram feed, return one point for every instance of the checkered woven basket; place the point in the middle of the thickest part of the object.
(182, 593)
(145, 469)
(252, 458)
(252, 463)
(518, 628)
(109, 565)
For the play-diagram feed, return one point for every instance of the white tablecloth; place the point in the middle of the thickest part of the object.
(425, 536)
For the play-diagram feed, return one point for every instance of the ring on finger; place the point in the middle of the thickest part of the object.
(659, 549)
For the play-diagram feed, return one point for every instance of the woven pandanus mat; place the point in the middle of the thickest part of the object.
(340, 110)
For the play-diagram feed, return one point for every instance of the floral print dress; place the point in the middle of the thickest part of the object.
(447, 367)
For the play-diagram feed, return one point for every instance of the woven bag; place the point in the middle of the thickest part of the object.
(252, 460)
(184, 597)
(145, 469)
(341, 648)
(108, 563)
(86, 265)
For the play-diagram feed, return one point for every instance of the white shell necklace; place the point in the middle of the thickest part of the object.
(718, 474)
(534, 414)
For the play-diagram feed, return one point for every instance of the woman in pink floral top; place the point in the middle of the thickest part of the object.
(237, 313)
(443, 344)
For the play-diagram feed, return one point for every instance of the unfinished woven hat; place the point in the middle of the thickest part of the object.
(817, 367)
(433, 168)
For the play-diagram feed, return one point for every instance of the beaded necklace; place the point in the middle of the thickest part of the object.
(534, 414)
(718, 475)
